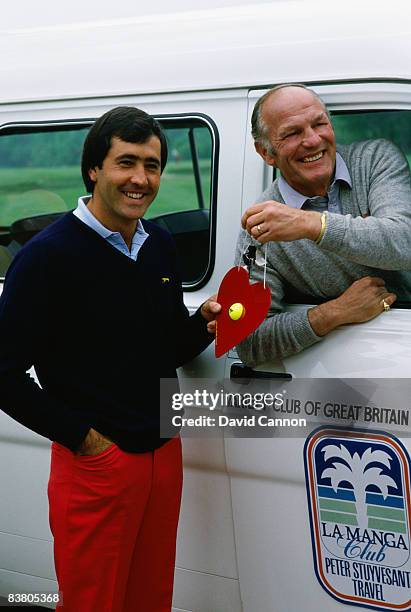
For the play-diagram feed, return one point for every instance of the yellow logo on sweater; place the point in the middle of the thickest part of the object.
(165, 279)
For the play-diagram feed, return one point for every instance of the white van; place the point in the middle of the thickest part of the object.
(248, 539)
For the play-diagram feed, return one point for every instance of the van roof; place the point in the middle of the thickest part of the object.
(234, 47)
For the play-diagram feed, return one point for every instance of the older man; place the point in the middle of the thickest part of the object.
(336, 224)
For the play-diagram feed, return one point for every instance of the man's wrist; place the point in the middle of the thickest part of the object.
(313, 225)
(324, 318)
(324, 219)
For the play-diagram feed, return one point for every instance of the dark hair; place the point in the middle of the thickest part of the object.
(125, 122)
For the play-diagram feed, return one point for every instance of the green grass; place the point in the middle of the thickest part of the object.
(177, 192)
(25, 192)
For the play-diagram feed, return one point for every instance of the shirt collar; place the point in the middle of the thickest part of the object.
(84, 214)
(294, 199)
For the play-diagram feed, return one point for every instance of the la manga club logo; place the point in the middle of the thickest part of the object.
(358, 487)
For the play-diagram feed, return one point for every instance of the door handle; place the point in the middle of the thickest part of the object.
(240, 373)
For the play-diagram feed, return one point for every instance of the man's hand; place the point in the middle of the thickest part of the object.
(361, 302)
(94, 443)
(274, 221)
(209, 310)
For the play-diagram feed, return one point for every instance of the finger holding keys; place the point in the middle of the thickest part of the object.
(274, 221)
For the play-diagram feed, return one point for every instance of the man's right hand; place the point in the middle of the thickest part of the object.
(94, 443)
(271, 220)
(361, 302)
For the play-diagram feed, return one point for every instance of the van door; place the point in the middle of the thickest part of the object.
(40, 152)
(281, 553)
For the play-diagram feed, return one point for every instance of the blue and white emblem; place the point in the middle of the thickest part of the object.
(358, 487)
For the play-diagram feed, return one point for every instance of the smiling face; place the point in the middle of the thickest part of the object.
(302, 140)
(127, 183)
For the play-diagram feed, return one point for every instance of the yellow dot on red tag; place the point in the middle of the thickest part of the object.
(236, 311)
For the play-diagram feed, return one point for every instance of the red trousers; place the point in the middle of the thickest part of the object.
(114, 520)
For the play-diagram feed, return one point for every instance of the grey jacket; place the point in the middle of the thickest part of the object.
(371, 238)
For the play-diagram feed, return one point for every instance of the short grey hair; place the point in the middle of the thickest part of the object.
(259, 129)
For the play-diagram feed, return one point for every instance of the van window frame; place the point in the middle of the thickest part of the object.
(167, 121)
(398, 304)
(344, 97)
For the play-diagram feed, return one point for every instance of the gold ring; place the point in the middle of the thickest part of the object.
(259, 229)
(386, 306)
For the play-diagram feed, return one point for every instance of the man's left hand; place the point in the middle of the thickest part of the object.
(209, 310)
(274, 221)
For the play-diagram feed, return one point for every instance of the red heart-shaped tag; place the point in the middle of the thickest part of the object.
(243, 308)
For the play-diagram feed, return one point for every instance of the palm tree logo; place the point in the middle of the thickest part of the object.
(357, 471)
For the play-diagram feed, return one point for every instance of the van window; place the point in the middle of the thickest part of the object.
(392, 125)
(186, 200)
(40, 179)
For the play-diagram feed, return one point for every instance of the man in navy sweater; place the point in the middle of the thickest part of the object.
(94, 302)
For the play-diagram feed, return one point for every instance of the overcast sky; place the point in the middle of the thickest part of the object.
(28, 14)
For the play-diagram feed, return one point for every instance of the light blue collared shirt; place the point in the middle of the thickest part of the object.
(330, 202)
(114, 238)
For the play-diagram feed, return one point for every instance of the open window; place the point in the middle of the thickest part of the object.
(394, 125)
(40, 180)
(351, 126)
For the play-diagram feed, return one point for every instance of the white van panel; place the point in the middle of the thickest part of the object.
(20, 488)
(355, 351)
(273, 533)
(37, 555)
(206, 537)
(233, 47)
(273, 541)
(199, 593)
(26, 549)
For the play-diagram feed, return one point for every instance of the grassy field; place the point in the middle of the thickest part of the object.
(25, 192)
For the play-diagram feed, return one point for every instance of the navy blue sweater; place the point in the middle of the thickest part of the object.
(100, 329)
